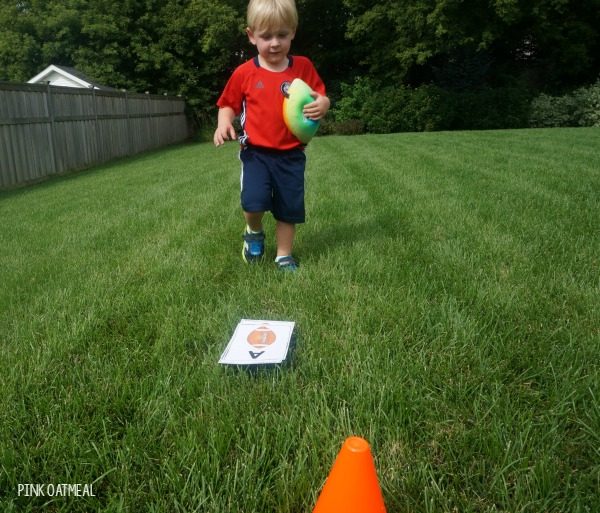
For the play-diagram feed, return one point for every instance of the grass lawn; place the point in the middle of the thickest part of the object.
(447, 309)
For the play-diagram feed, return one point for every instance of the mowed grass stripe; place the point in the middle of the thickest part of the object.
(446, 310)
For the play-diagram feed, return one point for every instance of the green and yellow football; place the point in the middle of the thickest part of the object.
(298, 95)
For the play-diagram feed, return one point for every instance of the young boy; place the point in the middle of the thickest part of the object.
(273, 159)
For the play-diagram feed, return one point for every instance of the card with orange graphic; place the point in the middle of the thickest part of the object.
(258, 342)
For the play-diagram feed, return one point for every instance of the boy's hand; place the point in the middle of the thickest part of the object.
(224, 133)
(316, 110)
(225, 130)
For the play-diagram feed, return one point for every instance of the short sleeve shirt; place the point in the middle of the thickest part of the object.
(256, 95)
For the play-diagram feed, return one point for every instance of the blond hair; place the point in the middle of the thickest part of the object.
(272, 14)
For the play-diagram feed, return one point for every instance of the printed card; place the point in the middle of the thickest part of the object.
(258, 342)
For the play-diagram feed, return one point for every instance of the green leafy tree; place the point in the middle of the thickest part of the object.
(20, 50)
(551, 43)
(187, 48)
(321, 36)
(176, 47)
(92, 36)
(190, 47)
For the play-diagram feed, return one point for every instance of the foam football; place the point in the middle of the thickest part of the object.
(298, 95)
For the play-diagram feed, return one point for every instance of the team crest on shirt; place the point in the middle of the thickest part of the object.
(284, 89)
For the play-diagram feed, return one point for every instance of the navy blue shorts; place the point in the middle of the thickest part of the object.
(273, 181)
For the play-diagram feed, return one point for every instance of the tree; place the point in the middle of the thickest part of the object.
(176, 47)
(548, 42)
(321, 36)
(190, 47)
(19, 48)
(187, 48)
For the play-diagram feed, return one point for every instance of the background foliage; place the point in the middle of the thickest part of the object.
(580, 108)
(429, 64)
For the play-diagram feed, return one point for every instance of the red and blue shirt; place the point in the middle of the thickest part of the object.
(256, 95)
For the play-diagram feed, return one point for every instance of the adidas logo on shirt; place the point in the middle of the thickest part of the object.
(259, 85)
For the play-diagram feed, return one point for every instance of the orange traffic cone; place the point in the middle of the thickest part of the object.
(352, 485)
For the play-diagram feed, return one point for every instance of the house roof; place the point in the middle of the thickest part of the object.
(74, 76)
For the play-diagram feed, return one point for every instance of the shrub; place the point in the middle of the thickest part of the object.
(488, 108)
(587, 100)
(552, 111)
(400, 108)
(351, 107)
(347, 127)
(365, 105)
(579, 108)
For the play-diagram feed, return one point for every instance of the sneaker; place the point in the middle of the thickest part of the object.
(253, 249)
(287, 264)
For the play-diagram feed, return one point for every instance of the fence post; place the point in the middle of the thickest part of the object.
(99, 151)
(150, 119)
(129, 131)
(52, 141)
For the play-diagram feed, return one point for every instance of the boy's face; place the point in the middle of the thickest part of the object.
(273, 45)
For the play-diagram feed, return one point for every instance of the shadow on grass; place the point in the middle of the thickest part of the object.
(346, 234)
(50, 181)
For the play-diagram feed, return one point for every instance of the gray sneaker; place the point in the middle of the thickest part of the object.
(287, 264)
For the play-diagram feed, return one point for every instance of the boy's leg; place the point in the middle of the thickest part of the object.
(256, 200)
(284, 233)
(253, 249)
(288, 205)
(254, 220)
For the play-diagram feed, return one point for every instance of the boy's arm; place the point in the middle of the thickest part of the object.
(317, 109)
(225, 130)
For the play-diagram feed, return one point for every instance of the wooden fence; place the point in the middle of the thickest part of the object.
(47, 130)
